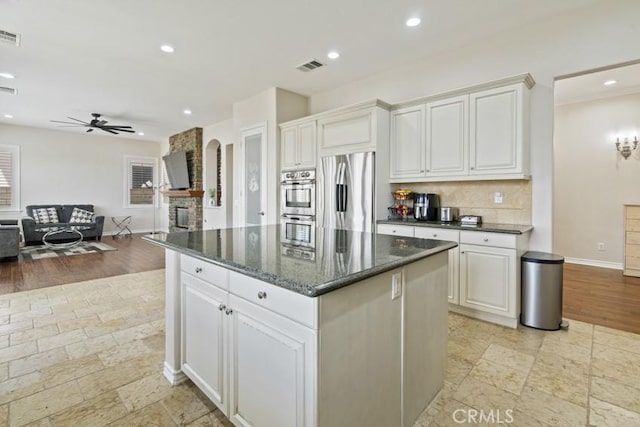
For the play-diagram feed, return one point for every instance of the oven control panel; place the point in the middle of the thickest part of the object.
(304, 175)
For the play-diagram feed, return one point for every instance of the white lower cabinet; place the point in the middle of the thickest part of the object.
(204, 338)
(454, 257)
(484, 270)
(248, 360)
(487, 276)
(272, 368)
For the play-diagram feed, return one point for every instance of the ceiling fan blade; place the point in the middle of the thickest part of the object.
(123, 130)
(67, 123)
(89, 130)
(109, 130)
(101, 123)
(117, 126)
(77, 120)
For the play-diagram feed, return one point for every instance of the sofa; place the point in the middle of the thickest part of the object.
(34, 225)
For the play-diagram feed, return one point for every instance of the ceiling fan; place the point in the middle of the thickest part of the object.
(96, 123)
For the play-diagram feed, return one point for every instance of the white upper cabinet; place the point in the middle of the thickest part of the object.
(446, 141)
(474, 134)
(298, 146)
(407, 134)
(497, 130)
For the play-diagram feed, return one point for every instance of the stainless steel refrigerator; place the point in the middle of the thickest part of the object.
(345, 192)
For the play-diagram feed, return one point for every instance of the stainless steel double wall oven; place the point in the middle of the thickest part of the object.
(298, 208)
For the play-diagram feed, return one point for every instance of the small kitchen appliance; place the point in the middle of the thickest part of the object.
(470, 220)
(425, 206)
(448, 214)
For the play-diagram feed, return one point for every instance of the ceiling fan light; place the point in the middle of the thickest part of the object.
(166, 48)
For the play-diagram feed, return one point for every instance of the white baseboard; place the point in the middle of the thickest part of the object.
(595, 263)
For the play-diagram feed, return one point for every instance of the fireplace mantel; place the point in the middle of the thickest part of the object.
(183, 193)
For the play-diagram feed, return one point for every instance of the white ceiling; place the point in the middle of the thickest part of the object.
(589, 87)
(79, 57)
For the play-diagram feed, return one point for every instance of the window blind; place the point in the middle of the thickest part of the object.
(6, 178)
(140, 173)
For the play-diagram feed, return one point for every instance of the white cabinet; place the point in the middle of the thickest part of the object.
(396, 230)
(272, 368)
(246, 358)
(407, 157)
(490, 276)
(298, 146)
(478, 133)
(447, 136)
(204, 337)
(486, 278)
(497, 131)
(454, 257)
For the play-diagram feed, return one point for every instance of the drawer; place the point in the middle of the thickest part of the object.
(396, 230)
(633, 224)
(437, 233)
(297, 307)
(633, 238)
(488, 239)
(633, 212)
(203, 270)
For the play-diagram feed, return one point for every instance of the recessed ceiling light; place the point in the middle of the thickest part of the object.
(187, 112)
(333, 55)
(167, 48)
(413, 22)
(8, 116)
(610, 82)
(7, 75)
(141, 133)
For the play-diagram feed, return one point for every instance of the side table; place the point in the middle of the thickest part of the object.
(122, 226)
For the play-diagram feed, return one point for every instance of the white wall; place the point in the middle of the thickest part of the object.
(592, 180)
(219, 216)
(66, 167)
(598, 35)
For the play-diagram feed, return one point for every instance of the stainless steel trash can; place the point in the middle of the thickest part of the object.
(542, 290)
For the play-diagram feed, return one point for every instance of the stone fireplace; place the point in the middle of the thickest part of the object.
(185, 206)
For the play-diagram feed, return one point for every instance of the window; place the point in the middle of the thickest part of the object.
(140, 181)
(9, 177)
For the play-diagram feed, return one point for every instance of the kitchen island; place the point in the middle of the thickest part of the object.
(352, 333)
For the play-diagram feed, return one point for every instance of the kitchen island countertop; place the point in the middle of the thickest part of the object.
(341, 257)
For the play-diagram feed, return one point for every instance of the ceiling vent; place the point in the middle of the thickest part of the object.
(10, 38)
(9, 90)
(310, 66)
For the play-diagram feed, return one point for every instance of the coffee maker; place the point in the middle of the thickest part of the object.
(425, 206)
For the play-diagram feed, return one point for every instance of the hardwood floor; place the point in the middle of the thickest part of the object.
(595, 295)
(133, 256)
(601, 296)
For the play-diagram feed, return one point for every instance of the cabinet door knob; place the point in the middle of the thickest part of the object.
(261, 213)
(262, 295)
(198, 270)
(486, 239)
(471, 168)
(422, 171)
(228, 311)
(435, 235)
(428, 170)
(222, 307)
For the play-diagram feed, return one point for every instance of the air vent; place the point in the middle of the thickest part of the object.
(9, 90)
(310, 66)
(10, 38)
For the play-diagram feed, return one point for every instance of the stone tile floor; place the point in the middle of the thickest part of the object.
(90, 354)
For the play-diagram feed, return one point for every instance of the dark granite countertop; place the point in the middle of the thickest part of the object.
(341, 257)
(488, 227)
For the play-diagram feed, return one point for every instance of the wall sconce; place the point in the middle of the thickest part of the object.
(626, 148)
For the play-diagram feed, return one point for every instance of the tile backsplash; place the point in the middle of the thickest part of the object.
(477, 198)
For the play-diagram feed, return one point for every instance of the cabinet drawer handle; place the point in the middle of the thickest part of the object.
(435, 235)
(486, 239)
(228, 311)
(198, 270)
(262, 295)
(222, 307)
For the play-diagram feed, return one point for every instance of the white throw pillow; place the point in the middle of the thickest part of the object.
(45, 215)
(81, 216)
